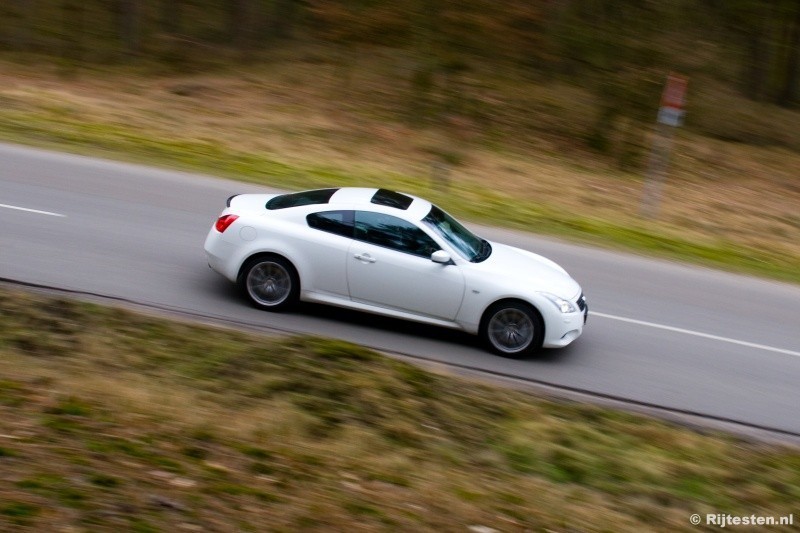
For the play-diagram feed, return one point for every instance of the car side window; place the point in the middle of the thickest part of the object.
(339, 222)
(393, 232)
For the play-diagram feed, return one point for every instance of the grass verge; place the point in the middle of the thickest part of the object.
(110, 419)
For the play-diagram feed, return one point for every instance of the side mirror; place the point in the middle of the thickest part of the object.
(442, 257)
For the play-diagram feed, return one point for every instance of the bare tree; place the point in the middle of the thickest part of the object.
(23, 15)
(790, 94)
(284, 16)
(240, 24)
(72, 20)
(170, 13)
(128, 20)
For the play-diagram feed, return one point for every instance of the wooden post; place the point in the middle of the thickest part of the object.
(670, 116)
(657, 168)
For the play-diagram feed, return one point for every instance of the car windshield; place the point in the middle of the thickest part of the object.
(463, 240)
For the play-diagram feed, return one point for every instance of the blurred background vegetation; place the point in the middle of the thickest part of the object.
(619, 49)
(542, 109)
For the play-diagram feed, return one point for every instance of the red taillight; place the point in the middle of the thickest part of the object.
(224, 221)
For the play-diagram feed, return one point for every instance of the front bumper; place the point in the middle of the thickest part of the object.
(562, 330)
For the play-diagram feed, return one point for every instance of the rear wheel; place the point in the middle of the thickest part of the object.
(512, 329)
(270, 282)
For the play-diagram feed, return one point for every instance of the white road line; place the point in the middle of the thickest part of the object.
(32, 210)
(696, 333)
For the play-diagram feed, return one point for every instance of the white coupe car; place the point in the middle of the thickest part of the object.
(397, 255)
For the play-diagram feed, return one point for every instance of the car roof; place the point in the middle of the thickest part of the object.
(362, 197)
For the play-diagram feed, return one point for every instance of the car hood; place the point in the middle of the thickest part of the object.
(530, 270)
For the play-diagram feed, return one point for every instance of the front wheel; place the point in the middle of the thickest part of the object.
(512, 329)
(270, 282)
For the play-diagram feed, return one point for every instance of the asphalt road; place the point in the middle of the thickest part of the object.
(660, 333)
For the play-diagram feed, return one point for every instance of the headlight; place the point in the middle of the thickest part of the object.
(565, 306)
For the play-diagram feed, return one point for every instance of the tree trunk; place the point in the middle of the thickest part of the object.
(283, 17)
(22, 33)
(128, 17)
(239, 23)
(756, 70)
(790, 93)
(170, 16)
(759, 20)
(72, 15)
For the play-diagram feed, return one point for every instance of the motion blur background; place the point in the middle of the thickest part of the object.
(531, 113)
(619, 50)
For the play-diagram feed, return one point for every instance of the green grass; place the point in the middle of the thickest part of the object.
(136, 423)
(18, 513)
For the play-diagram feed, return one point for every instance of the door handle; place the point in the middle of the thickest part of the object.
(365, 257)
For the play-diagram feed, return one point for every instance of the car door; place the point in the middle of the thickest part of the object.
(389, 265)
(325, 250)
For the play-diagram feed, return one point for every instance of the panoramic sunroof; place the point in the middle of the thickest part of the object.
(295, 199)
(392, 199)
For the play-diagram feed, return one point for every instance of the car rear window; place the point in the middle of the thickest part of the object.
(296, 199)
(337, 222)
(391, 199)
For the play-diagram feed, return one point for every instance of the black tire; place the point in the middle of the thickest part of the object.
(270, 282)
(512, 329)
